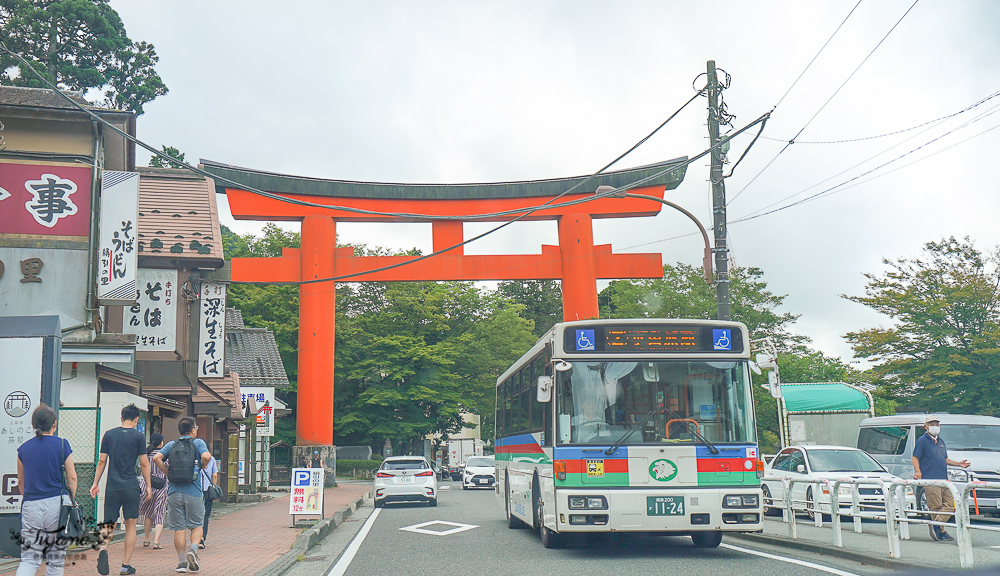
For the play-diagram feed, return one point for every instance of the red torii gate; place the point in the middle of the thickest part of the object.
(576, 261)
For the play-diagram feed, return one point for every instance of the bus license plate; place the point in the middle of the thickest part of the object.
(664, 505)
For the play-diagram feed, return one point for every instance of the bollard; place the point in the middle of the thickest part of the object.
(838, 538)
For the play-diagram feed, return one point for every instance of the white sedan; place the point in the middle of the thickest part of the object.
(830, 463)
(405, 479)
(479, 472)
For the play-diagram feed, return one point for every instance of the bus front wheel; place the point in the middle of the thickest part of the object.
(706, 539)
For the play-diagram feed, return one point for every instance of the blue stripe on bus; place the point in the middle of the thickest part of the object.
(589, 453)
(514, 440)
(702, 451)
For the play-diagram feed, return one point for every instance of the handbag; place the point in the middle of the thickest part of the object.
(214, 490)
(71, 522)
(157, 482)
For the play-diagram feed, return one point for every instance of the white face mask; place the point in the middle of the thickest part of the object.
(934, 430)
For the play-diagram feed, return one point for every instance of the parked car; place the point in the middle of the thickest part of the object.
(827, 462)
(891, 439)
(405, 479)
(479, 472)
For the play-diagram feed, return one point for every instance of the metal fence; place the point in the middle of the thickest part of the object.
(81, 427)
(896, 514)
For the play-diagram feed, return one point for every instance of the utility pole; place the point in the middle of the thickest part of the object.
(721, 250)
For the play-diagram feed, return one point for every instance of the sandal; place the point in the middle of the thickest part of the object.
(145, 544)
(156, 546)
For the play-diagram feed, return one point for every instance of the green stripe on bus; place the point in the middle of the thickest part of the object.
(530, 458)
(584, 481)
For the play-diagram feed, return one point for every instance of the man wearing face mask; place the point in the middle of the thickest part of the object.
(930, 462)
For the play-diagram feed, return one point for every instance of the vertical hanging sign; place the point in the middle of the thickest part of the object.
(153, 317)
(211, 353)
(116, 281)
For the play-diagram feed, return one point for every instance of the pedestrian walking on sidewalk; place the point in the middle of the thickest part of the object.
(120, 448)
(153, 510)
(40, 463)
(182, 461)
(930, 462)
(209, 478)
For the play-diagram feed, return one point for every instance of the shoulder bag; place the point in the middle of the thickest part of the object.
(71, 522)
(214, 490)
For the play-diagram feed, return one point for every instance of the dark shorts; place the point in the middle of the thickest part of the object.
(125, 500)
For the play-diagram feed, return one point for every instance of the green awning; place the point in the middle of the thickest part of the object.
(824, 397)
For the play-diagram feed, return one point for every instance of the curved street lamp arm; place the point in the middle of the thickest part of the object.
(706, 262)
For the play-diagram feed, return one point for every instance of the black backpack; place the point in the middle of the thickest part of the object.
(182, 457)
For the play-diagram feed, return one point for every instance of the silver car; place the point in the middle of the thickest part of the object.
(405, 479)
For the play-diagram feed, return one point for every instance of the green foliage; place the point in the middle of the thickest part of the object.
(941, 353)
(174, 153)
(541, 299)
(78, 45)
(356, 468)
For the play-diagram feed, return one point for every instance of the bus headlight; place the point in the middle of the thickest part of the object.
(588, 503)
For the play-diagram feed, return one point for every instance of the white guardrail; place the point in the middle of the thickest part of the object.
(895, 512)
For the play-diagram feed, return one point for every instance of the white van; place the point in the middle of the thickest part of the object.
(890, 440)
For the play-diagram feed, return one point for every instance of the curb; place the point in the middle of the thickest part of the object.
(833, 551)
(310, 538)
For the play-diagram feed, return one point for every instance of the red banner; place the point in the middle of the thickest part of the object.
(47, 200)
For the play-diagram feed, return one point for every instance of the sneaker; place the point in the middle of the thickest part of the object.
(201, 545)
(934, 532)
(182, 568)
(192, 561)
(126, 569)
(945, 537)
(102, 563)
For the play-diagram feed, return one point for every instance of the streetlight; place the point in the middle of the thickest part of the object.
(706, 262)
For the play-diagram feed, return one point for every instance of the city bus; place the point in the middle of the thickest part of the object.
(636, 425)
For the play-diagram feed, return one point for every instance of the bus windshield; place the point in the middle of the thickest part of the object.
(670, 402)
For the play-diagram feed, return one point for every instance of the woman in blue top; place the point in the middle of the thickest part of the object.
(39, 474)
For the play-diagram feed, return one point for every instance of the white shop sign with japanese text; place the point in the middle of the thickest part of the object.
(307, 491)
(118, 249)
(20, 386)
(212, 330)
(153, 317)
(264, 398)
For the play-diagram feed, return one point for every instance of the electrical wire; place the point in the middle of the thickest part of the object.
(869, 159)
(821, 108)
(862, 139)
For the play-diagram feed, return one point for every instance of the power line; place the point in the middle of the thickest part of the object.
(862, 139)
(817, 55)
(869, 159)
(837, 91)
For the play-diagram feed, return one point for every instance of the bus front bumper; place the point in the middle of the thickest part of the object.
(659, 510)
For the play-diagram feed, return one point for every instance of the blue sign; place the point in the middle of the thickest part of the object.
(585, 340)
(722, 339)
(302, 478)
(708, 412)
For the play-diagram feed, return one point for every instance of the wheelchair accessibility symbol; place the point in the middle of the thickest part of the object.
(721, 339)
(585, 340)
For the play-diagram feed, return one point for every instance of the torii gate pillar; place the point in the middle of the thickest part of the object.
(579, 277)
(316, 332)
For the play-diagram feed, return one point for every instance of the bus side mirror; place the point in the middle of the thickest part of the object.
(774, 386)
(544, 392)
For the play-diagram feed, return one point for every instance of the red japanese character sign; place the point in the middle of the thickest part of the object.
(49, 200)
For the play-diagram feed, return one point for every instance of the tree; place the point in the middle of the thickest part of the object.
(78, 45)
(174, 153)
(942, 351)
(541, 301)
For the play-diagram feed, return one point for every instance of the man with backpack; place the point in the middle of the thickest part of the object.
(182, 460)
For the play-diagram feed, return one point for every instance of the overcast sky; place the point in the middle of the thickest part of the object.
(451, 92)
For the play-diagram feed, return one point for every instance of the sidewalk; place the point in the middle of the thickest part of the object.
(241, 542)
(872, 546)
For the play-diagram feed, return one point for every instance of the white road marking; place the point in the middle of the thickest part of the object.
(419, 528)
(789, 560)
(348, 556)
(444, 487)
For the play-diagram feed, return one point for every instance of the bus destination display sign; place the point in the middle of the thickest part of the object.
(653, 338)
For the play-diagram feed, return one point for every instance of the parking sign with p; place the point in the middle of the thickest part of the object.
(301, 478)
